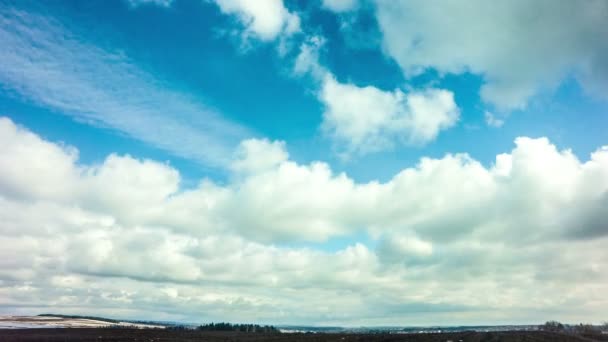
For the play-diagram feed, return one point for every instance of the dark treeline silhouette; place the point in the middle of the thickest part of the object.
(597, 332)
(250, 328)
(552, 326)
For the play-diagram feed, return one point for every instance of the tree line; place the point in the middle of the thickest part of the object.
(248, 328)
(580, 329)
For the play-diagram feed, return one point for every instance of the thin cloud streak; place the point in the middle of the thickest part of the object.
(45, 64)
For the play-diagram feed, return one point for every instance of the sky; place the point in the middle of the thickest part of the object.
(323, 162)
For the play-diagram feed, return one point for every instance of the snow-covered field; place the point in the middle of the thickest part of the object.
(22, 322)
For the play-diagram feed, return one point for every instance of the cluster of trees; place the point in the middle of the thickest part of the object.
(251, 328)
(552, 326)
(581, 329)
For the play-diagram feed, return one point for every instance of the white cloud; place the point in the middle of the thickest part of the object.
(27, 151)
(517, 47)
(492, 120)
(340, 5)
(121, 238)
(264, 19)
(307, 60)
(44, 63)
(257, 155)
(367, 119)
(404, 248)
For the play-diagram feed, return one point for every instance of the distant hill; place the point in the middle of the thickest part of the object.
(95, 318)
(103, 319)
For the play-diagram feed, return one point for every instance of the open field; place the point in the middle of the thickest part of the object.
(157, 335)
(21, 322)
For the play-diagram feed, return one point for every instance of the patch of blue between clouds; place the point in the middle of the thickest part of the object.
(189, 45)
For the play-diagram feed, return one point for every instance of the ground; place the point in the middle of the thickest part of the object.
(158, 335)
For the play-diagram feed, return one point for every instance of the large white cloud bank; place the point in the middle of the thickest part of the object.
(519, 47)
(450, 240)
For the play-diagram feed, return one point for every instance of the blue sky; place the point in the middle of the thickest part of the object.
(382, 138)
(253, 87)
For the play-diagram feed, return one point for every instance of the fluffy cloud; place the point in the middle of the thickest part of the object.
(367, 119)
(517, 47)
(25, 172)
(256, 155)
(264, 19)
(404, 248)
(122, 238)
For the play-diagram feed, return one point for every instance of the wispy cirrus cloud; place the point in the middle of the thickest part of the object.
(48, 65)
(162, 3)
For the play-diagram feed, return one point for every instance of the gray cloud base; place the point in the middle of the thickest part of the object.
(520, 48)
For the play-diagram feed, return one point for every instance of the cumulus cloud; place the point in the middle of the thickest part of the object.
(367, 119)
(263, 19)
(402, 248)
(255, 155)
(518, 48)
(122, 237)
